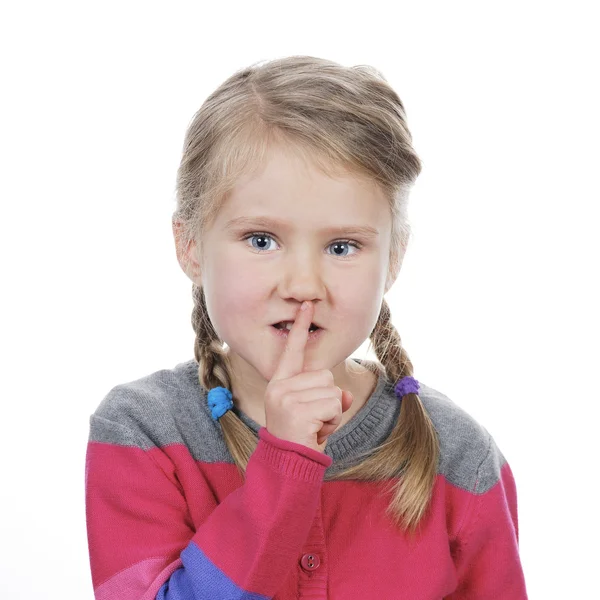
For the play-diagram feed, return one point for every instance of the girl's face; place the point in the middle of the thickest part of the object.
(297, 242)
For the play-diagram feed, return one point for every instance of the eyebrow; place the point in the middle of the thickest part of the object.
(268, 222)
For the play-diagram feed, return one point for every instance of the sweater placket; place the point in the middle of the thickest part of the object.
(313, 566)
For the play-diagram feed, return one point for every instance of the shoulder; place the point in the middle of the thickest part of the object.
(165, 407)
(469, 456)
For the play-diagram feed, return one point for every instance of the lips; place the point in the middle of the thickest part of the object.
(313, 326)
(283, 334)
(278, 324)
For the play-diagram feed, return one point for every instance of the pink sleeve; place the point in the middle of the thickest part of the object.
(141, 540)
(487, 552)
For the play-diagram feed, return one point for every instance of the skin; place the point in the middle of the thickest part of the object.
(249, 284)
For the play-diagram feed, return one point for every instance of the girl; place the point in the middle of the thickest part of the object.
(272, 465)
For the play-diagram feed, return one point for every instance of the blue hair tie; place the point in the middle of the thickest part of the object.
(406, 385)
(219, 401)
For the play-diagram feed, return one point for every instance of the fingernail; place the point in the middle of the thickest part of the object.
(304, 306)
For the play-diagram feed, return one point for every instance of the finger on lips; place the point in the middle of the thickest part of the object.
(292, 359)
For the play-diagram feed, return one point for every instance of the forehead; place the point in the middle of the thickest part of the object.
(287, 187)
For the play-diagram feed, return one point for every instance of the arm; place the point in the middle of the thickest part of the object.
(143, 545)
(487, 547)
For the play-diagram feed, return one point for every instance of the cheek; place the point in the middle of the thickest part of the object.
(233, 297)
(364, 283)
(358, 299)
(362, 299)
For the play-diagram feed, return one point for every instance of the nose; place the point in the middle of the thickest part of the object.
(300, 277)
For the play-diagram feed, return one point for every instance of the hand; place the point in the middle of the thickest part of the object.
(301, 406)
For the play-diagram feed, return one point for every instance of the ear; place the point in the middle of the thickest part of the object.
(186, 254)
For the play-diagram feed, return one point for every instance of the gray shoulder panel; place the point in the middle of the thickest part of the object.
(469, 457)
(160, 409)
(169, 407)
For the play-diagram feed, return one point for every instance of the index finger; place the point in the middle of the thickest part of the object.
(292, 359)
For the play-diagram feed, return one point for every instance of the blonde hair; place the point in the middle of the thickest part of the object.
(342, 120)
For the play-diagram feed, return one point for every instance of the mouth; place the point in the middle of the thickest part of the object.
(282, 332)
(283, 327)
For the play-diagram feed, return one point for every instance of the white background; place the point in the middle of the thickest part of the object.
(497, 302)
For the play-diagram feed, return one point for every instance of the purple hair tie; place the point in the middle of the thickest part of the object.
(406, 385)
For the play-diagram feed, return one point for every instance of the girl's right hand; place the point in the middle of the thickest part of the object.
(304, 407)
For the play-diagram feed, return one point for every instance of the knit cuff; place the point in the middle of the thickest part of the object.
(288, 457)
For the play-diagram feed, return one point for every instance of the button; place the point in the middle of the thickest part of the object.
(310, 562)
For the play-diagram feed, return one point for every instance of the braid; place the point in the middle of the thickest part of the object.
(214, 370)
(413, 445)
(208, 348)
(388, 347)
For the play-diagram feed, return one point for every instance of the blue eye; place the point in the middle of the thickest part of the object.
(264, 237)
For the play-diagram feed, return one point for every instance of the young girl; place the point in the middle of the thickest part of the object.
(272, 465)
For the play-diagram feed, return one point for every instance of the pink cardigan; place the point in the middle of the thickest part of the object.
(169, 516)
